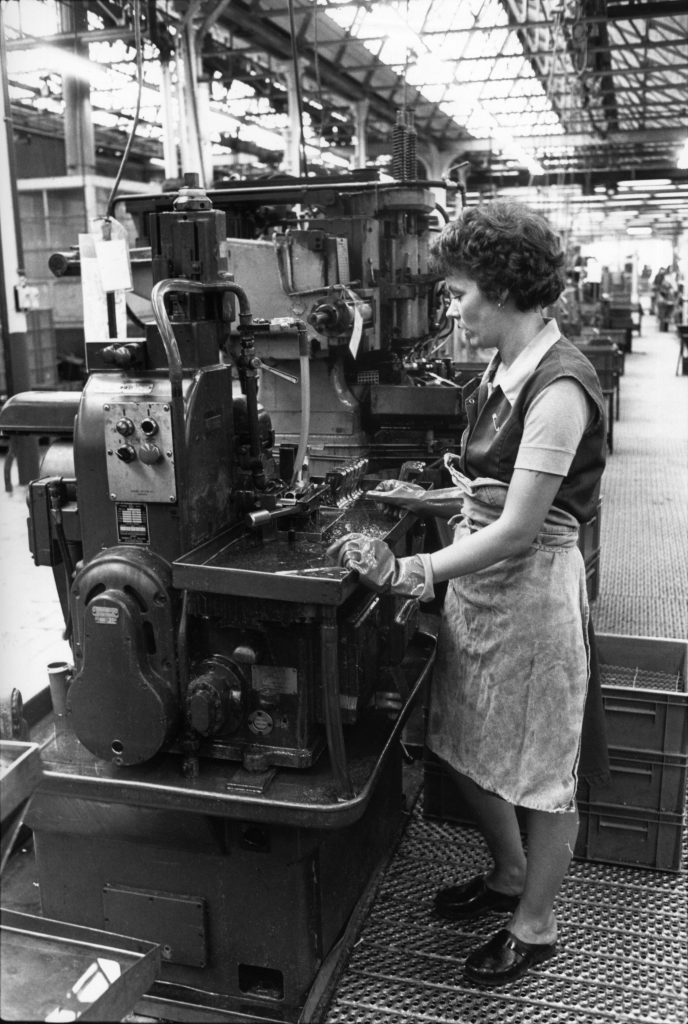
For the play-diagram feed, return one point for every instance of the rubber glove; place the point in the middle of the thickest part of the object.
(378, 569)
(443, 503)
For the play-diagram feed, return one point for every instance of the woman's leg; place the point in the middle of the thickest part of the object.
(497, 821)
(551, 839)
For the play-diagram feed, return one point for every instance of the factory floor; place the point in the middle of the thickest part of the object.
(623, 931)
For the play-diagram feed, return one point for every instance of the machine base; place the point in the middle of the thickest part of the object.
(245, 913)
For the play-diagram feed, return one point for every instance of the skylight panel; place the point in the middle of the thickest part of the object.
(452, 68)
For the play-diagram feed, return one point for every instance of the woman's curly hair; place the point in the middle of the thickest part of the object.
(503, 245)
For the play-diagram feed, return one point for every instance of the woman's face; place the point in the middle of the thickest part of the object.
(482, 320)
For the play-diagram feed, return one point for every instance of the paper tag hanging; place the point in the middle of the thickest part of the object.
(113, 264)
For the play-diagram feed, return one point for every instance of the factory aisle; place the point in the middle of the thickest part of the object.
(644, 559)
(623, 930)
(31, 622)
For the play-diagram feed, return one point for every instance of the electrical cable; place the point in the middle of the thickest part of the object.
(303, 170)
(134, 125)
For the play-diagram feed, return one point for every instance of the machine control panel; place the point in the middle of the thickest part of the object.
(139, 448)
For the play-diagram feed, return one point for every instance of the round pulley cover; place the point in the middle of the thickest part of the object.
(123, 702)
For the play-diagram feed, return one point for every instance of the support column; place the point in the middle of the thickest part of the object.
(292, 136)
(80, 143)
(12, 316)
(169, 142)
(187, 155)
(361, 138)
(198, 96)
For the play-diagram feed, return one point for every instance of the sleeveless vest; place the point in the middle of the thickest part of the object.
(491, 440)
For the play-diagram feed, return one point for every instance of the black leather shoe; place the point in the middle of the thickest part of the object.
(505, 958)
(461, 902)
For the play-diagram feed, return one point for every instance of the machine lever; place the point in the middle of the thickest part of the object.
(279, 373)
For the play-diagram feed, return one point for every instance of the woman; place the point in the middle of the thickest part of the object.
(509, 687)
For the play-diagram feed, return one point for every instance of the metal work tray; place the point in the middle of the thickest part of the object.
(55, 971)
(283, 569)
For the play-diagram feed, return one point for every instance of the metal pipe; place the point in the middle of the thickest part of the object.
(182, 284)
(305, 423)
(59, 678)
(329, 668)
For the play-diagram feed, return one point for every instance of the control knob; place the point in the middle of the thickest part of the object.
(149, 454)
(126, 452)
(125, 427)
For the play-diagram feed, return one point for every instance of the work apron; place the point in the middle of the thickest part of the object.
(510, 680)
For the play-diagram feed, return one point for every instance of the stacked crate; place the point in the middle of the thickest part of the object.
(40, 368)
(41, 348)
(639, 817)
(618, 317)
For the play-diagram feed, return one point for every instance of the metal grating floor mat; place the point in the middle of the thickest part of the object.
(621, 958)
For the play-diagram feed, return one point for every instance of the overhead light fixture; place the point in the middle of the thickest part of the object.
(640, 231)
(645, 183)
(65, 63)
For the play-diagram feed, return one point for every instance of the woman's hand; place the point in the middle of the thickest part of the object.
(370, 557)
(378, 569)
(396, 494)
(390, 495)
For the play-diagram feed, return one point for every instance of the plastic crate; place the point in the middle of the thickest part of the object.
(637, 838)
(645, 693)
(41, 348)
(641, 780)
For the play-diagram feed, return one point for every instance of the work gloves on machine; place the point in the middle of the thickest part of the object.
(380, 570)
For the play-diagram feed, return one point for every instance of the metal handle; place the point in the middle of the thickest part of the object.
(279, 373)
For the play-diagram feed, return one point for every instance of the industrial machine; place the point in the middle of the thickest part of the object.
(222, 774)
(349, 259)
